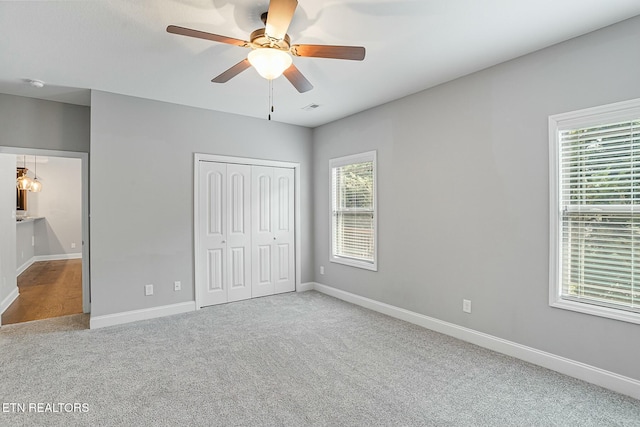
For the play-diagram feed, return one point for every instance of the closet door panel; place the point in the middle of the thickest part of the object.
(239, 232)
(213, 231)
(262, 230)
(284, 236)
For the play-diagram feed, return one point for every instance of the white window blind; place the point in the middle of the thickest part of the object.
(599, 202)
(353, 228)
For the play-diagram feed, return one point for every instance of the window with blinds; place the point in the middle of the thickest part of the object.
(353, 210)
(598, 212)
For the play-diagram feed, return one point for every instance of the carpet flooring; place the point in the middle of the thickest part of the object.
(296, 359)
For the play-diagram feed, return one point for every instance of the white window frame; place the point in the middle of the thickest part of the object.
(369, 156)
(611, 113)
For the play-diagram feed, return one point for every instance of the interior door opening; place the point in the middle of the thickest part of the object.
(48, 271)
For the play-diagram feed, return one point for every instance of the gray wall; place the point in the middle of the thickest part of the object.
(141, 177)
(35, 123)
(8, 280)
(60, 203)
(463, 196)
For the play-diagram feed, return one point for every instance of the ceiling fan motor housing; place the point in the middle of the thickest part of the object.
(260, 39)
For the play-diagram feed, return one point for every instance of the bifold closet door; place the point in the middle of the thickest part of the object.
(225, 232)
(273, 254)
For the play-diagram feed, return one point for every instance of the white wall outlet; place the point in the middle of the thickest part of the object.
(73, 245)
(466, 305)
(33, 240)
(322, 269)
(148, 290)
(177, 285)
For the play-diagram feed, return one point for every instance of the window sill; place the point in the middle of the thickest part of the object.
(355, 263)
(595, 310)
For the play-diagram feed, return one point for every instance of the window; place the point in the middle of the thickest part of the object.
(595, 211)
(353, 210)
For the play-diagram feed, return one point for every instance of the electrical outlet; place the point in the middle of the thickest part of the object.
(466, 305)
(73, 245)
(322, 269)
(148, 290)
(177, 285)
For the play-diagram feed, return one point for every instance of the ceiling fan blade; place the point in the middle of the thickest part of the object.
(232, 72)
(174, 29)
(279, 17)
(297, 79)
(355, 53)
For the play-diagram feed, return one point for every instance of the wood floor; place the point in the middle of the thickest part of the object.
(47, 289)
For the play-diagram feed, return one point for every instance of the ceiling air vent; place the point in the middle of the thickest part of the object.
(311, 107)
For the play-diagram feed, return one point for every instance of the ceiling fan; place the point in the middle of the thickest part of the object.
(272, 49)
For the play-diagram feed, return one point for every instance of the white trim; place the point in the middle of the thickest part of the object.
(336, 162)
(197, 158)
(582, 371)
(610, 113)
(24, 266)
(304, 287)
(39, 258)
(13, 295)
(143, 314)
(586, 117)
(57, 257)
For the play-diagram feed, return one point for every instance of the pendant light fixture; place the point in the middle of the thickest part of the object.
(24, 182)
(36, 186)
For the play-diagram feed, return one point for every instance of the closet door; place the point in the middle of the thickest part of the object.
(213, 233)
(284, 246)
(225, 232)
(272, 192)
(238, 232)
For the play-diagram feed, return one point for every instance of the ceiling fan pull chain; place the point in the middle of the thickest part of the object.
(270, 95)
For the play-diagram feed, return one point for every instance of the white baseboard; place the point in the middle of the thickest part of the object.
(38, 258)
(303, 287)
(143, 314)
(582, 371)
(13, 295)
(57, 257)
(24, 266)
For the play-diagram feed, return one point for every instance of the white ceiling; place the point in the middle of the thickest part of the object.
(122, 47)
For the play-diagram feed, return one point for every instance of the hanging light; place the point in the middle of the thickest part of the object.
(270, 63)
(36, 186)
(24, 182)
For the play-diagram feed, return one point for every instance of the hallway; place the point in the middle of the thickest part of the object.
(47, 289)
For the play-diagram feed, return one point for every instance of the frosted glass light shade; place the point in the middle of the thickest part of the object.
(24, 182)
(270, 63)
(36, 186)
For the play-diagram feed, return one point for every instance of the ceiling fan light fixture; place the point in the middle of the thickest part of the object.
(270, 63)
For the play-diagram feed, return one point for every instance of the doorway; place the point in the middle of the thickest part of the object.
(51, 239)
